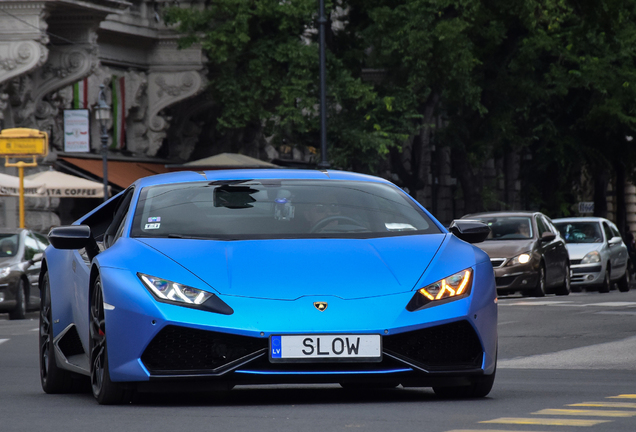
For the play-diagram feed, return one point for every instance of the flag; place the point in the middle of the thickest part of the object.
(80, 94)
(119, 112)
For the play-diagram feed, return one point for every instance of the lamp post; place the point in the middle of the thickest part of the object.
(102, 113)
(322, 21)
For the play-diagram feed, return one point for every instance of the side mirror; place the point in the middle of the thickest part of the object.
(471, 231)
(36, 258)
(548, 236)
(74, 237)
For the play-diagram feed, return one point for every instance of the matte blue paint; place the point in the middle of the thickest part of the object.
(272, 284)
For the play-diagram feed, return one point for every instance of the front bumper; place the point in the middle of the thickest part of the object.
(151, 341)
(587, 274)
(516, 278)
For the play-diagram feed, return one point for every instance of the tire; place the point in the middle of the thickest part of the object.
(607, 284)
(625, 280)
(21, 303)
(478, 389)
(566, 288)
(53, 379)
(539, 291)
(105, 391)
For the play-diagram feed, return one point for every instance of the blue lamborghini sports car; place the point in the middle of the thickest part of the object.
(223, 278)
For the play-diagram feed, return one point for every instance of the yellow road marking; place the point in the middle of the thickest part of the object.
(593, 413)
(605, 404)
(546, 421)
(623, 396)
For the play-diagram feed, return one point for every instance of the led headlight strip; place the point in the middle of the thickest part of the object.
(183, 295)
(450, 288)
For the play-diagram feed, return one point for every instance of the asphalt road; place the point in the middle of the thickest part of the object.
(565, 364)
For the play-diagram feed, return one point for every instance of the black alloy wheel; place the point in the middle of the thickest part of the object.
(566, 288)
(105, 391)
(21, 303)
(53, 379)
(478, 389)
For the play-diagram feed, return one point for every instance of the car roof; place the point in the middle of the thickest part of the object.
(248, 174)
(581, 219)
(11, 230)
(502, 214)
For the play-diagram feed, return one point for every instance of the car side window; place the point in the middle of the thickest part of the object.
(42, 241)
(115, 229)
(615, 230)
(548, 224)
(30, 247)
(608, 231)
(541, 226)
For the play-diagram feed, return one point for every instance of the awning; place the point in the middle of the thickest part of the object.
(120, 173)
(223, 161)
(62, 185)
(10, 186)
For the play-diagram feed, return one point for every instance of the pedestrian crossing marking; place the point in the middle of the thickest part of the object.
(593, 413)
(546, 421)
(623, 396)
(605, 404)
(3, 340)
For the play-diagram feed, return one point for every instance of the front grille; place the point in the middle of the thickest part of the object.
(182, 350)
(497, 262)
(575, 261)
(445, 347)
(70, 344)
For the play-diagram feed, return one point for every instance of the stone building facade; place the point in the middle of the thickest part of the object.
(49, 46)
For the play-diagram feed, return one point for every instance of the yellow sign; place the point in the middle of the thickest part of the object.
(23, 142)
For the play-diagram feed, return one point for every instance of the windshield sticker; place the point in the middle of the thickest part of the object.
(152, 226)
(399, 227)
(154, 219)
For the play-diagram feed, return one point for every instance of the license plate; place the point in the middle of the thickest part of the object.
(326, 348)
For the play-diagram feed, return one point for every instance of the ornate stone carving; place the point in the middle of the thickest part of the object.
(17, 58)
(165, 89)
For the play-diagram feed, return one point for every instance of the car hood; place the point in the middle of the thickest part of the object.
(578, 250)
(289, 269)
(505, 248)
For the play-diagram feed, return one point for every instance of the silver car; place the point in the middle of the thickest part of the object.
(598, 256)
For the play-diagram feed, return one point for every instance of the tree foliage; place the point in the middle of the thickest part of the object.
(553, 80)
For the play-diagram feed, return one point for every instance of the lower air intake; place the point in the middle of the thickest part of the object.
(181, 350)
(446, 347)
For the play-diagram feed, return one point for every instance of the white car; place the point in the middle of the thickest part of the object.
(598, 255)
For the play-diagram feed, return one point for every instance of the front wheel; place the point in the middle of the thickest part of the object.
(539, 291)
(626, 279)
(105, 391)
(605, 286)
(478, 389)
(21, 304)
(566, 288)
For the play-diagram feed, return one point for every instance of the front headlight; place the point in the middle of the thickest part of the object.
(591, 257)
(4, 271)
(520, 259)
(175, 293)
(448, 289)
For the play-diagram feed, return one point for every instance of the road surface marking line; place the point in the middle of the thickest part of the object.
(546, 421)
(605, 404)
(3, 340)
(623, 396)
(486, 430)
(593, 413)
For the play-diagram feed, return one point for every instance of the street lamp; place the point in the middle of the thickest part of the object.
(322, 21)
(102, 113)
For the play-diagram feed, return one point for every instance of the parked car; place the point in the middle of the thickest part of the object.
(223, 278)
(598, 255)
(20, 256)
(527, 253)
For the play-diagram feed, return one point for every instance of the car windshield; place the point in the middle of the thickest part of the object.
(268, 209)
(9, 245)
(508, 227)
(580, 232)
